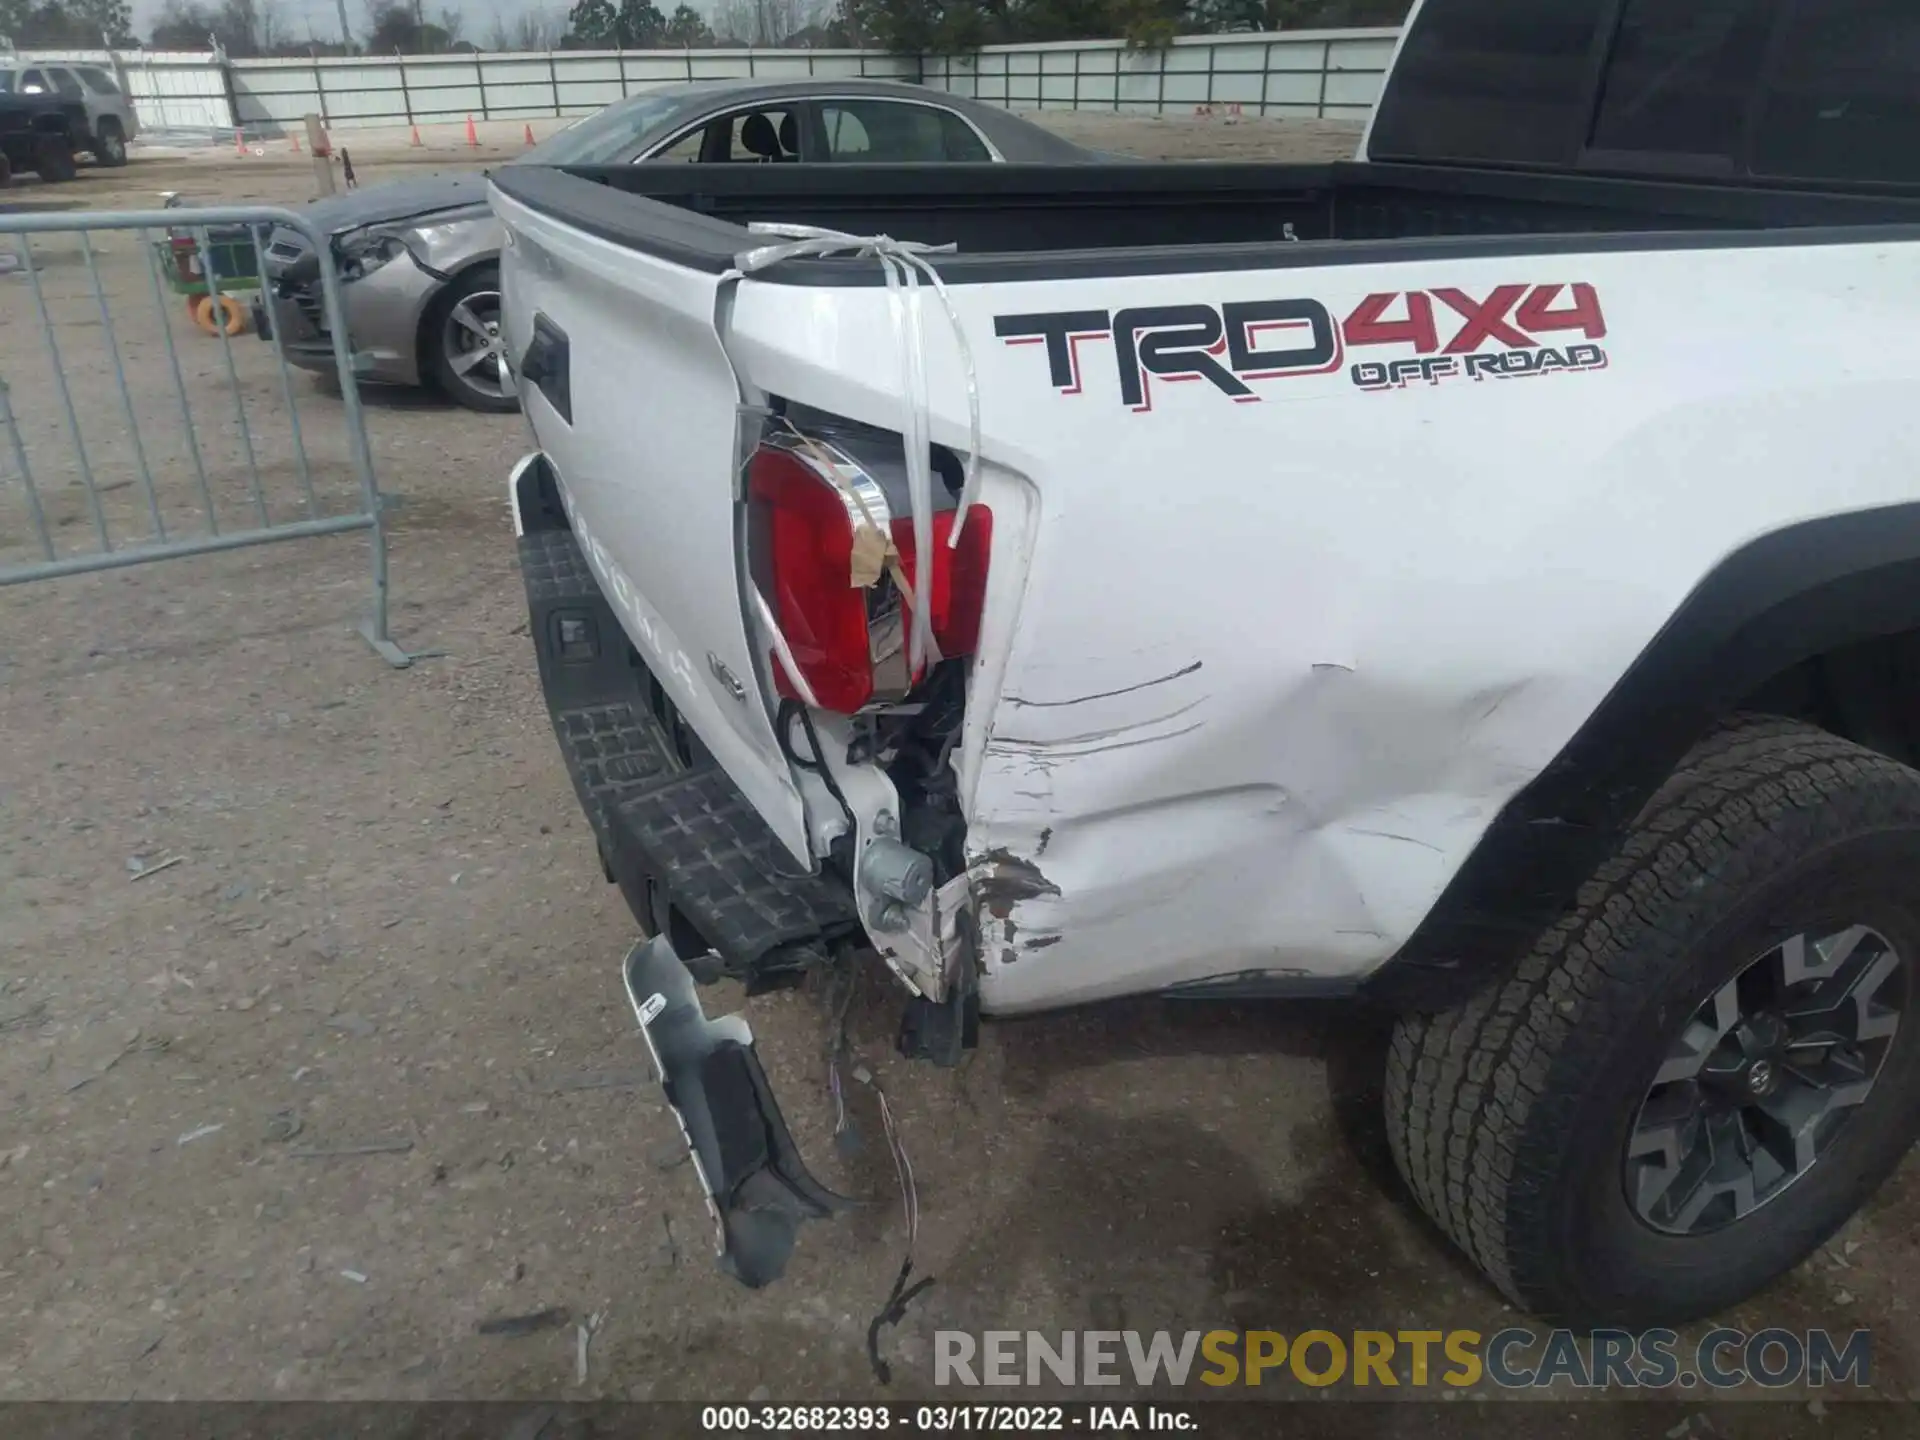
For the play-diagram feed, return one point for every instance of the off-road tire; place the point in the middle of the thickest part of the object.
(53, 159)
(1508, 1116)
(109, 145)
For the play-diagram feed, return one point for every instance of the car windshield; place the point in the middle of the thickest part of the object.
(6, 82)
(606, 138)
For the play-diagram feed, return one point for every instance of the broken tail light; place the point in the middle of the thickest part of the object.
(843, 636)
(959, 582)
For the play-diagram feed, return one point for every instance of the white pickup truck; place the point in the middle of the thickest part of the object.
(1482, 578)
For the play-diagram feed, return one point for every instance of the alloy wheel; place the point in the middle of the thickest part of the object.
(475, 349)
(1763, 1077)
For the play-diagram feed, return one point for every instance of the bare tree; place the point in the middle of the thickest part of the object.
(534, 30)
(767, 22)
(239, 27)
(397, 26)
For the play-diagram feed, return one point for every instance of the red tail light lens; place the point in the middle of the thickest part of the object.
(822, 614)
(824, 618)
(959, 581)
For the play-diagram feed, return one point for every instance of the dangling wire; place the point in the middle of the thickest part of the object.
(846, 1137)
(902, 1294)
(839, 1056)
(815, 764)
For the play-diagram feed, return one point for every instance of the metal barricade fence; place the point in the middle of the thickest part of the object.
(126, 446)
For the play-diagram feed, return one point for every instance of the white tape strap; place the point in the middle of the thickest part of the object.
(782, 651)
(904, 263)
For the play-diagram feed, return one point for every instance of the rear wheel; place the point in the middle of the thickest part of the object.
(109, 144)
(465, 352)
(1708, 1065)
(53, 159)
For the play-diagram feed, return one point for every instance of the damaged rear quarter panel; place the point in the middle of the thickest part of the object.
(1278, 664)
(1146, 857)
(1255, 677)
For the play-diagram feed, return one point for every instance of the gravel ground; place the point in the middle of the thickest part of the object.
(386, 935)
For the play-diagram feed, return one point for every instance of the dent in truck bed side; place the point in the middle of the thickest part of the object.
(1389, 606)
(1279, 665)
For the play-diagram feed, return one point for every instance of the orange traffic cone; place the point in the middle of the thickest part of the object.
(239, 141)
(473, 136)
(529, 135)
(415, 142)
(295, 134)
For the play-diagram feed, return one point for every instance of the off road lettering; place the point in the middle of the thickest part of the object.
(1492, 365)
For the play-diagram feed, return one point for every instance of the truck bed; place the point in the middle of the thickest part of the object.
(1316, 404)
(1014, 222)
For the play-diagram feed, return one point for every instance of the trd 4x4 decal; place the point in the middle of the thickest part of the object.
(1230, 344)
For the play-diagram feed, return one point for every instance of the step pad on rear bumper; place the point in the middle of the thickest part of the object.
(612, 751)
(721, 866)
(554, 568)
(687, 828)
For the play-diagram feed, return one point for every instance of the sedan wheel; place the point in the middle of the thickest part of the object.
(466, 353)
(475, 351)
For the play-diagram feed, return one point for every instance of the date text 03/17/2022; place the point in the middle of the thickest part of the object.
(946, 1419)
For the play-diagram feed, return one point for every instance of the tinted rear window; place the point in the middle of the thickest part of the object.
(890, 131)
(1496, 81)
(1844, 99)
(610, 136)
(1681, 77)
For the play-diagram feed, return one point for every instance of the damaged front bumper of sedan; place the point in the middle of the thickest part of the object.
(384, 293)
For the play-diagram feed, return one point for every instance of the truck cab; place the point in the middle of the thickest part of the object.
(1755, 91)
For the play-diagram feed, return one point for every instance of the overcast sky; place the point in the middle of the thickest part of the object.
(324, 15)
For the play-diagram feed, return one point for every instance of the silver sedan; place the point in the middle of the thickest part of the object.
(420, 257)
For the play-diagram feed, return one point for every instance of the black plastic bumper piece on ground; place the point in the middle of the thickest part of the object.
(940, 1032)
(758, 1188)
(671, 824)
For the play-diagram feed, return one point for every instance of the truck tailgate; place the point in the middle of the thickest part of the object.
(644, 441)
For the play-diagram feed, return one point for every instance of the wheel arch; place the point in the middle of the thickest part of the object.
(437, 301)
(1818, 620)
